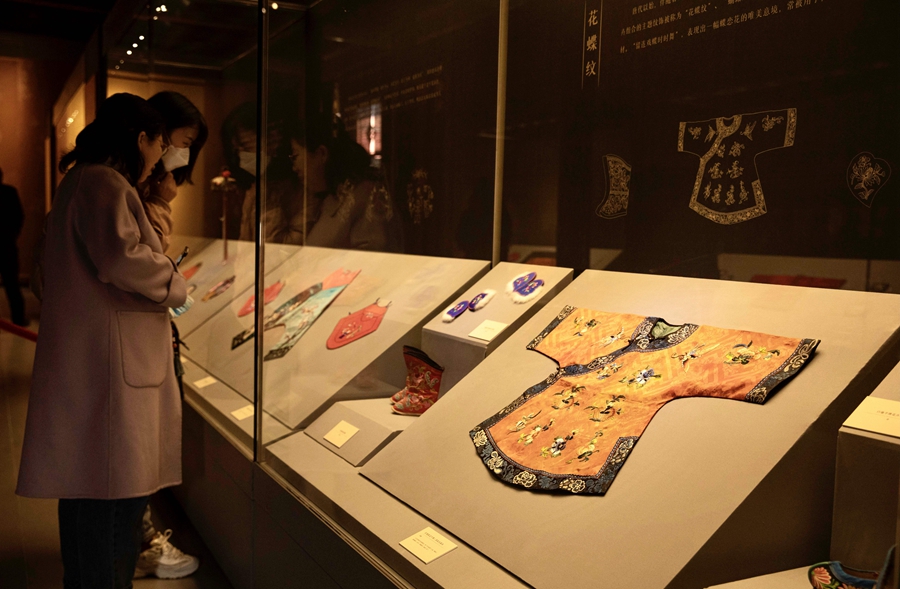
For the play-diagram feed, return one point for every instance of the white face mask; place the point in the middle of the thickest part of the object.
(176, 157)
(247, 161)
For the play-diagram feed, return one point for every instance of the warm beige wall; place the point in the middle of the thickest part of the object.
(188, 208)
(24, 104)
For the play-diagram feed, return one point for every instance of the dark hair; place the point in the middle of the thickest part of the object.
(347, 159)
(180, 112)
(113, 136)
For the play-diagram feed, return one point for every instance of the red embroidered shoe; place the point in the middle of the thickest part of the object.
(423, 383)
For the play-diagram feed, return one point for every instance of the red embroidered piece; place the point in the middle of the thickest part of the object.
(271, 293)
(356, 325)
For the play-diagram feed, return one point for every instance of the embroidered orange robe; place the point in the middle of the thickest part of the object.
(574, 430)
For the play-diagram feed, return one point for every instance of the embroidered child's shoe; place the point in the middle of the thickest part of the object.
(423, 383)
(414, 358)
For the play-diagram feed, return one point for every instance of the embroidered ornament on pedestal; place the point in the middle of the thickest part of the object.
(218, 289)
(270, 295)
(520, 281)
(481, 300)
(524, 288)
(357, 325)
(455, 311)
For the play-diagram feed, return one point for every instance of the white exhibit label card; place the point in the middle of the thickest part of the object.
(205, 382)
(243, 413)
(880, 416)
(488, 330)
(340, 433)
(428, 545)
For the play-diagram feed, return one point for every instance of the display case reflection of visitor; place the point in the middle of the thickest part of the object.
(346, 202)
(348, 205)
(187, 132)
(103, 429)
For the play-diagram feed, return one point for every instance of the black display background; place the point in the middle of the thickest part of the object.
(834, 61)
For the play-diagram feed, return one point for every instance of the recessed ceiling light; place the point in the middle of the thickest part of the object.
(128, 52)
(141, 38)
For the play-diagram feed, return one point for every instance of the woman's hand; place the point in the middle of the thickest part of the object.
(166, 188)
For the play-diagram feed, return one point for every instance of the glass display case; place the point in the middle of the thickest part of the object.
(397, 201)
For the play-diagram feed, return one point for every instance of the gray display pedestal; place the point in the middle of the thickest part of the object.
(306, 381)
(376, 423)
(450, 345)
(715, 490)
(792, 579)
(866, 490)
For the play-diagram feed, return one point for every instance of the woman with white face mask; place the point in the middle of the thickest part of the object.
(187, 132)
(104, 415)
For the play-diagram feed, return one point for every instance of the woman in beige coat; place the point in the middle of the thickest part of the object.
(104, 418)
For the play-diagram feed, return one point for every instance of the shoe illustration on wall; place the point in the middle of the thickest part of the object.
(866, 175)
(618, 177)
(727, 189)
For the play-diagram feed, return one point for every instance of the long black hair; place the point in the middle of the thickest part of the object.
(112, 137)
(180, 112)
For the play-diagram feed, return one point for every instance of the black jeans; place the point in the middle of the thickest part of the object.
(9, 274)
(100, 540)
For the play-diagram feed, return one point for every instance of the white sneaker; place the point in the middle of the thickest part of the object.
(164, 561)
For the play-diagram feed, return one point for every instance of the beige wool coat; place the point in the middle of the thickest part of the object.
(104, 416)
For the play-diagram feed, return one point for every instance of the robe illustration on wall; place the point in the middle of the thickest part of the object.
(618, 178)
(728, 189)
(299, 313)
(866, 175)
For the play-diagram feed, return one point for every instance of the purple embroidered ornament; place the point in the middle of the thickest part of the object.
(520, 281)
(481, 300)
(455, 311)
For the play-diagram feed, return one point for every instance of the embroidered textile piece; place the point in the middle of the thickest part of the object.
(866, 175)
(618, 176)
(271, 294)
(574, 430)
(218, 289)
(299, 313)
(727, 189)
(189, 273)
(356, 325)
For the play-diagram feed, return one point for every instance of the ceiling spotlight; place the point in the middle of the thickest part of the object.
(141, 38)
(134, 45)
(128, 52)
(274, 5)
(117, 67)
(121, 61)
(162, 8)
(155, 18)
(157, 9)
